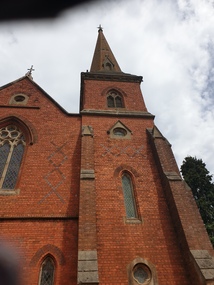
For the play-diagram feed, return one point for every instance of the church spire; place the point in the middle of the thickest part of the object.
(103, 59)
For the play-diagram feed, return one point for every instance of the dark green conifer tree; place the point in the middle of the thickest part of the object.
(198, 178)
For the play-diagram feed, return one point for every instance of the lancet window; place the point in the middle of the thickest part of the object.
(114, 100)
(12, 144)
(129, 199)
(47, 272)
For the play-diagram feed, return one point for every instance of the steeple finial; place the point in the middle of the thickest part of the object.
(29, 73)
(100, 29)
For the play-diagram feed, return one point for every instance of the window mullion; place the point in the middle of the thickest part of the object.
(115, 102)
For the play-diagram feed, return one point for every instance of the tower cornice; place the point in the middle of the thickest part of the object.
(120, 77)
(118, 113)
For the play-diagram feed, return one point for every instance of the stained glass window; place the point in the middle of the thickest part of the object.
(141, 273)
(118, 102)
(110, 101)
(47, 272)
(114, 100)
(120, 132)
(128, 196)
(12, 144)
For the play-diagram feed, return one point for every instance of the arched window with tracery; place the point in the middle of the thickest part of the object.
(47, 272)
(129, 199)
(12, 144)
(114, 99)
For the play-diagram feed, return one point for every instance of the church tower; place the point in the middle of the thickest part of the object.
(138, 222)
(95, 197)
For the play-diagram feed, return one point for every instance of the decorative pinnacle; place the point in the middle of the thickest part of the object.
(100, 29)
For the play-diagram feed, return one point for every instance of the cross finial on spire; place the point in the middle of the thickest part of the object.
(100, 29)
(31, 69)
(29, 73)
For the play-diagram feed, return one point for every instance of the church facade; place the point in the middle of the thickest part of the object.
(95, 197)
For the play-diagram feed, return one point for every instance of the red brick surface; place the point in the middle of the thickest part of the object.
(49, 177)
(119, 243)
(95, 95)
(31, 241)
(48, 183)
(44, 215)
(87, 232)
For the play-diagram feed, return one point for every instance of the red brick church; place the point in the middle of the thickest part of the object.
(95, 197)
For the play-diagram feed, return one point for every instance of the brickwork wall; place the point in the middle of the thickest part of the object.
(43, 218)
(188, 222)
(31, 241)
(87, 205)
(191, 220)
(119, 241)
(48, 183)
(49, 176)
(95, 95)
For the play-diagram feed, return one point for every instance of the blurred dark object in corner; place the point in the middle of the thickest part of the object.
(35, 9)
(9, 265)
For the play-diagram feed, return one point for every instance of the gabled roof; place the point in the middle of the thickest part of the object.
(27, 77)
(103, 59)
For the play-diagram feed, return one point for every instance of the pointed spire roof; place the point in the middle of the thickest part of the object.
(103, 59)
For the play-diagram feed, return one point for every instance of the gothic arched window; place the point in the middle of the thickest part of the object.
(47, 272)
(114, 100)
(129, 199)
(12, 143)
(110, 101)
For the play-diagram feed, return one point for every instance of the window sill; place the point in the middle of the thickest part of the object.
(9, 192)
(132, 221)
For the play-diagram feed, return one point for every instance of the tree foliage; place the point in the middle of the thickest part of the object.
(198, 178)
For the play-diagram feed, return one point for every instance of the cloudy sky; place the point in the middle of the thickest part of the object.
(169, 42)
